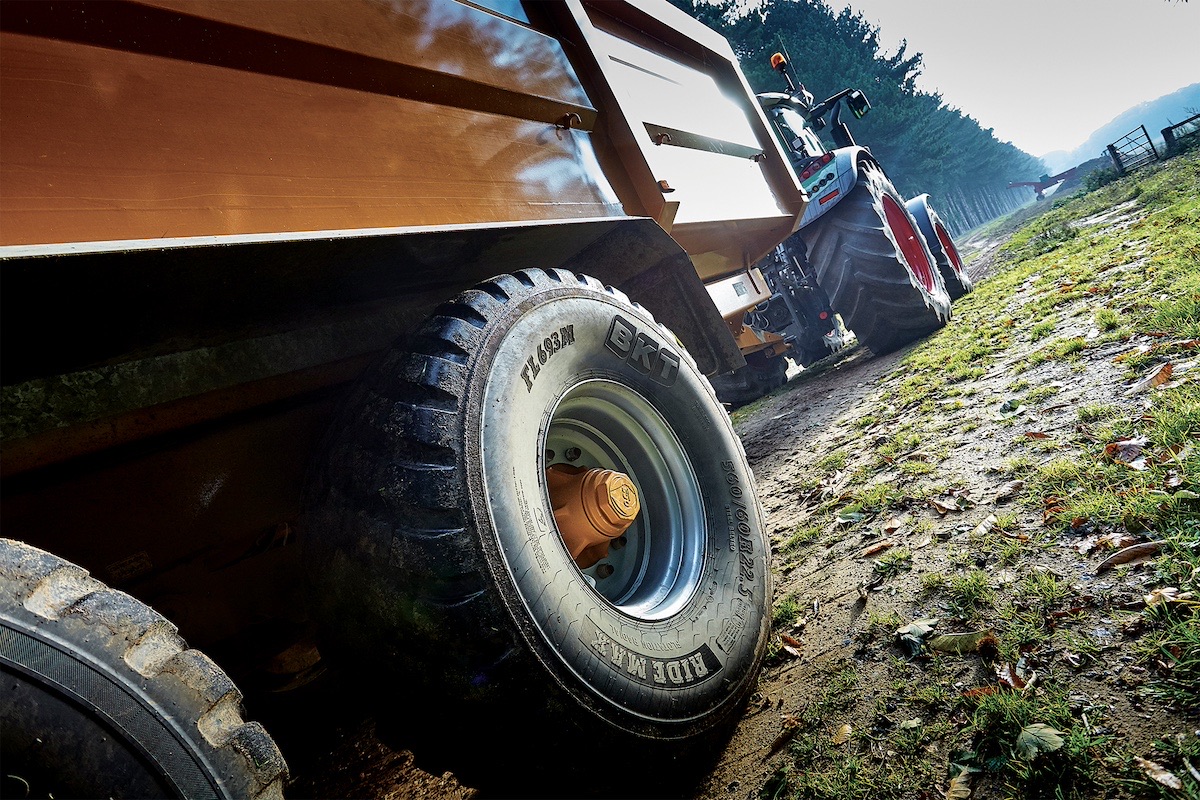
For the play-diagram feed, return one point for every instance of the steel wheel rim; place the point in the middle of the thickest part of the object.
(948, 247)
(657, 568)
(908, 240)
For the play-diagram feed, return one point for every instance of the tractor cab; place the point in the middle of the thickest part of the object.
(798, 120)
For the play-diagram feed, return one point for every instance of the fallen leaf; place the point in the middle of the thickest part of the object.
(1005, 577)
(1158, 773)
(792, 645)
(1167, 594)
(1157, 377)
(1054, 507)
(912, 636)
(985, 527)
(982, 691)
(850, 517)
(910, 724)
(1037, 435)
(960, 786)
(1116, 540)
(1172, 480)
(895, 523)
(1186, 494)
(1038, 738)
(878, 547)
(1020, 537)
(943, 508)
(1009, 409)
(919, 628)
(958, 643)
(1136, 553)
(1006, 675)
(791, 726)
(1176, 452)
(1009, 491)
(1129, 452)
(843, 734)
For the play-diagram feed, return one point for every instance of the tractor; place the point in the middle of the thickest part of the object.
(887, 266)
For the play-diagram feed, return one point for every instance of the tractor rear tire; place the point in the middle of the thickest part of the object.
(758, 378)
(874, 264)
(437, 557)
(102, 698)
(941, 245)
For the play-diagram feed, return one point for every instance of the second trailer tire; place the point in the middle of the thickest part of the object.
(941, 245)
(874, 264)
(102, 698)
(437, 543)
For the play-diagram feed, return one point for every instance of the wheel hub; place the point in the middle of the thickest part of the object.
(592, 507)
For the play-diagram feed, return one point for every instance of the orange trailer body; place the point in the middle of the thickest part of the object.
(213, 217)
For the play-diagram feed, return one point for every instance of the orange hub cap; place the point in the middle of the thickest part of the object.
(591, 507)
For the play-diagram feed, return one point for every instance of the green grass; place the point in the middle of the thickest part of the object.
(932, 583)
(800, 536)
(1042, 330)
(1172, 650)
(1044, 587)
(1095, 412)
(970, 593)
(832, 462)
(893, 562)
(1073, 771)
(1040, 394)
(785, 611)
(1050, 280)
(816, 769)
(1106, 319)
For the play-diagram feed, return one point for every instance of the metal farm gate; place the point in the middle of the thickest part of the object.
(1132, 150)
(1179, 137)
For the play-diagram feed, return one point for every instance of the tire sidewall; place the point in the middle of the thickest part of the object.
(666, 678)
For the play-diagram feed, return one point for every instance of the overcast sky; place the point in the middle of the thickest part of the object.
(1044, 73)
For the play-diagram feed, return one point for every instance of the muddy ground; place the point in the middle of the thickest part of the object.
(851, 582)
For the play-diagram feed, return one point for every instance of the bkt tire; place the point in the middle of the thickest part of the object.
(874, 263)
(437, 545)
(101, 698)
(941, 245)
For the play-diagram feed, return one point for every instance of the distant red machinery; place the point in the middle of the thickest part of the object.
(1046, 181)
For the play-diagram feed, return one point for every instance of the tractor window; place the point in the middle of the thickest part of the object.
(796, 134)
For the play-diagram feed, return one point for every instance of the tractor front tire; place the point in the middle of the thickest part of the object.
(439, 557)
(873, 262)
(102, 698)
(941, 245)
